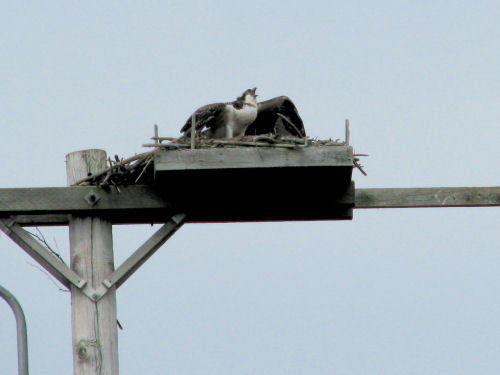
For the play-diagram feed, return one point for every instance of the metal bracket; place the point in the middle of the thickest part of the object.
(69, 277)
(92, 198)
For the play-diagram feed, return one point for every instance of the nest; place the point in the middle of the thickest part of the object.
(139, 168)
(263, 140)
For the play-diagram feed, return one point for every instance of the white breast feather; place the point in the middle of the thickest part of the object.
(239, 119)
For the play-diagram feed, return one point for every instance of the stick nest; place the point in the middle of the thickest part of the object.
(139, 168)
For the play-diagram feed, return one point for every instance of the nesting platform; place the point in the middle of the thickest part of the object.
(257, 183)
(216, 182)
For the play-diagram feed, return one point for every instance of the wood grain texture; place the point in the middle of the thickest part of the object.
(266, 194)
(81, 164)
(145, 251)
(145, 204)
(38, 252)
(427, 197)
(95, 337)
(253, 157)
(19, 201)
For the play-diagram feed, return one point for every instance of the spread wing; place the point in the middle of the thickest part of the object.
(278, 116)
(205, 117)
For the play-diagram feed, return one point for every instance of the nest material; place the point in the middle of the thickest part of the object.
(138, 169)
(263, 140)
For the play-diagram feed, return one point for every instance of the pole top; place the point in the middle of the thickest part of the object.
(81, 164)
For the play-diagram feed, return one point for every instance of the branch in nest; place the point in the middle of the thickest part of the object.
(166, 145)
(163, 138)
(359, 166)
(144, 169)
(117, 165)
(289, 123)
(255, 144)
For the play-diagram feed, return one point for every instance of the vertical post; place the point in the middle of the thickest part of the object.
(347, 132)
(95, 336)
(193, 131)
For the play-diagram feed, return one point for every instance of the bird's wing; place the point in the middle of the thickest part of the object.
(205, 117)
(279, 116)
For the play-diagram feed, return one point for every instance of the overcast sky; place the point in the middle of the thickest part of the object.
(402, 291)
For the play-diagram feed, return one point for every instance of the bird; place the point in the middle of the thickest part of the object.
(225, 120)
(277, 116)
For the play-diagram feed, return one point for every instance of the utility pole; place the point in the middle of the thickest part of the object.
(271, 180)
(95, 336)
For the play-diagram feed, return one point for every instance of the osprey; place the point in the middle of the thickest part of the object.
(225, 120)
(277, 116)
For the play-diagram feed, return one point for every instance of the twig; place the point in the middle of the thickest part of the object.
(144, 169)
(255, 144)
(347, 132)
(290, 123)
(357, 165)
(193, 131)
(265, 138)
(167, 145)
(42, 239)
(116, 186)
(119, 164)
(163, 138)
(108, 176)
(299, 141)
(49, 276)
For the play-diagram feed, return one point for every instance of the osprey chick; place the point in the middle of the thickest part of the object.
(225, 120)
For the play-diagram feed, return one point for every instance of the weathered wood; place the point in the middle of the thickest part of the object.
(41, 220)
(223, 143)
(51, 206)
(264, 195)
(19, 201)
(258, 184)
(95, 338)
(193, 131)
(44, 257)
(231, 158)
(428, 197)
(91, 175)
(145, 251)
(347, 132)
(145, 204)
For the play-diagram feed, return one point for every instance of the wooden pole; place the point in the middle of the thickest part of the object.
(95, 337)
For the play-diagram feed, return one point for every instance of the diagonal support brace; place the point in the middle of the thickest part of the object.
(67, 276)
(37, 251)
(138, 258)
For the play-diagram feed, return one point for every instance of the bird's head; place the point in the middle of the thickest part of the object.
(249, 96)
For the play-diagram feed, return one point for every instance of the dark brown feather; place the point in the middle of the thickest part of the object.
(205, 116)
(277, 116)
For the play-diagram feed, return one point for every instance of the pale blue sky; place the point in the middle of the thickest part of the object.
(391, 292)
